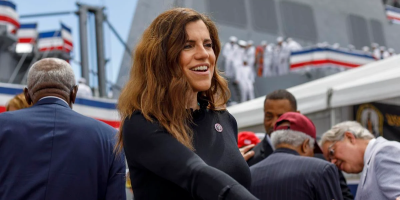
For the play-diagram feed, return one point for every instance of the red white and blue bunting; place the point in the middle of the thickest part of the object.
(9, 16)
(327, 57)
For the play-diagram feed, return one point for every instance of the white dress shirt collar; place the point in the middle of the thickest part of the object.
(55, 98)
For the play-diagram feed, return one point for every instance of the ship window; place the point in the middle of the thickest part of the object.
(358, 30)
(377, 32)
(298, 21)
(229, 12)
(263, 16)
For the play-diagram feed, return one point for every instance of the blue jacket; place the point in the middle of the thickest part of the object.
(287, 175)
(51, 152)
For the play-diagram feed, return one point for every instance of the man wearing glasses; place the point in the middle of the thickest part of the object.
(353, 149)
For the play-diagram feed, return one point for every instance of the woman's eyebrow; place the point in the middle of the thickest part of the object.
(193, 41)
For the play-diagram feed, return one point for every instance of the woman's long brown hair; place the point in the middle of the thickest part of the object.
(157, 86)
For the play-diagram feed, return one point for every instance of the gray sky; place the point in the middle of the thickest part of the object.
(119, 12)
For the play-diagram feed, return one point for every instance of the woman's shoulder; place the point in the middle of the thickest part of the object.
(136, 115)
(224, 114)
(137, 121)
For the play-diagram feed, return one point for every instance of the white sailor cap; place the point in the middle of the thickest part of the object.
(233, 39)
(375, 45)
(336, 46)
(242, 43)
(279, 39)
(365, 48)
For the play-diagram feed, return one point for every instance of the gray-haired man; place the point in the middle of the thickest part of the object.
(48, 151)
(353, 149)
(291, 172)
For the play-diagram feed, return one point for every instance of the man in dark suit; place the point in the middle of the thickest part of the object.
(291, 172)
(276, 104)
(49, 151)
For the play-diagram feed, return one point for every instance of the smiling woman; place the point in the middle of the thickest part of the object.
(179, 141)
(197, 59)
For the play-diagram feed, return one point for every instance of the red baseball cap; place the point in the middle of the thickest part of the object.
(246, 138)
(301, 123)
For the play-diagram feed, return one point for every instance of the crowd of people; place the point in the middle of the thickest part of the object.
(289, 163)
(176, 136)
(243, 61)
(379, 52)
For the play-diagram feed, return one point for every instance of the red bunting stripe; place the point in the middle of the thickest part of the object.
(322, 62)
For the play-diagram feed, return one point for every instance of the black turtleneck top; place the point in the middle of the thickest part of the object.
(162, 168)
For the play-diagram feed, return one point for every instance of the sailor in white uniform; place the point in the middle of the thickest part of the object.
(376, 53)
(292, 45)
(391, 52)
(384, 53)
(336, 46)
(267, 59)
(228, 53)
(351, 47)
(237, 59)
(281, 58)
(251, 53)
(245, 78)
(240, 54)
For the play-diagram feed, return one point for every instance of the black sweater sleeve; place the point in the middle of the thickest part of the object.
(151, 147)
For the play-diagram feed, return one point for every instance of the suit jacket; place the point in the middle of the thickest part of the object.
(287, 175)
(51, 152)
(380, 178)
(346, 192)
(261, 151)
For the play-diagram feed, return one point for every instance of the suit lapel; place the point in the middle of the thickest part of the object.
(266, 149)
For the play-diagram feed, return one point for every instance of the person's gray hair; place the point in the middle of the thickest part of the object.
(336, 133)
(291, 137)
(50, 75)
